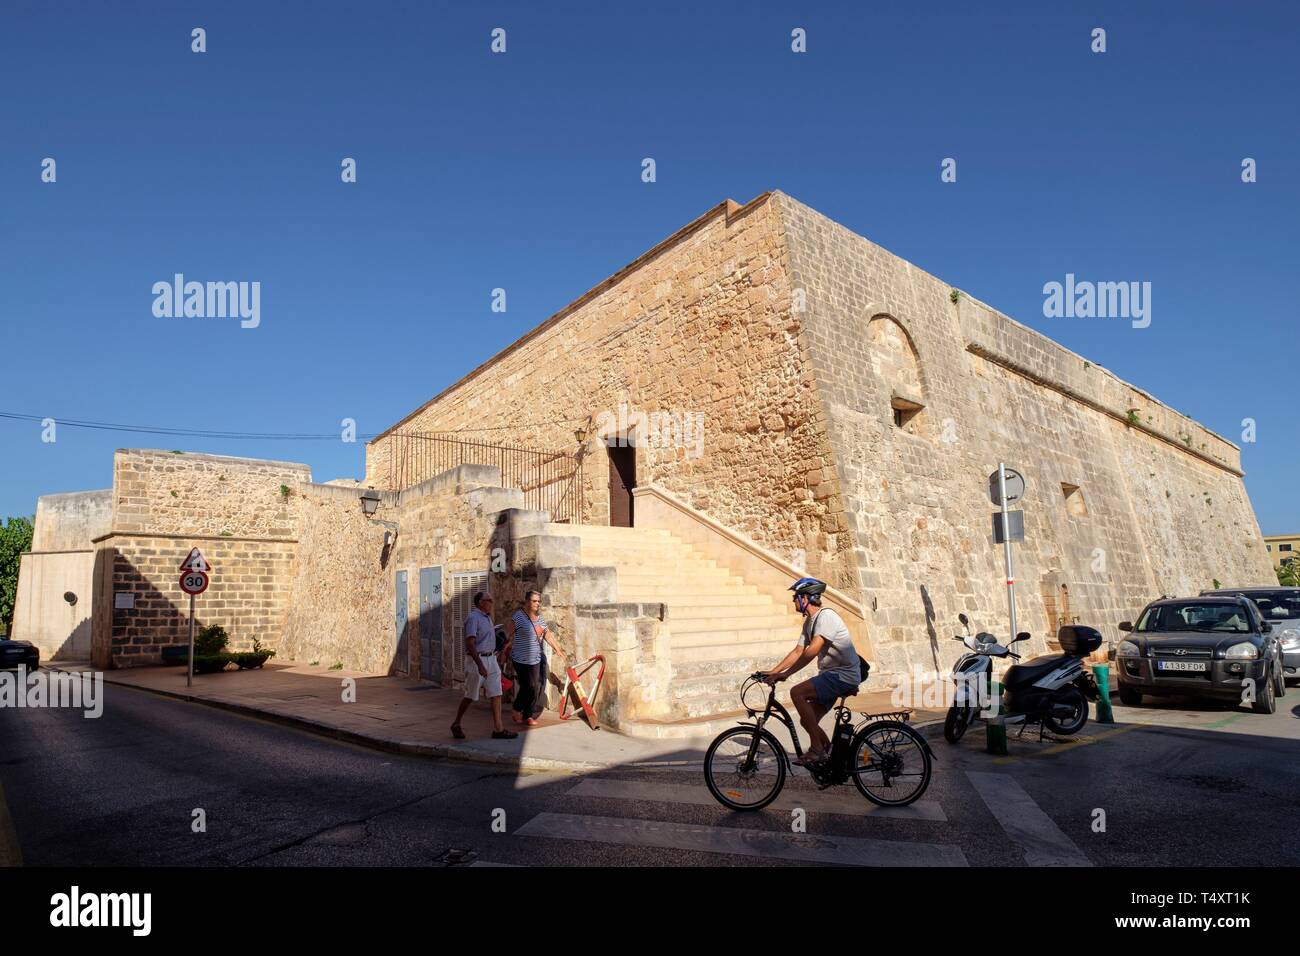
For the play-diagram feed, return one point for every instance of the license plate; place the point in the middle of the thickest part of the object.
(1198, 666)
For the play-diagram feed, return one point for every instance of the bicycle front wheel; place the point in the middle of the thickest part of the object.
(891, 763)
(744, 768)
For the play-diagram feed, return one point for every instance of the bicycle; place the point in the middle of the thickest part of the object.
(888, 761)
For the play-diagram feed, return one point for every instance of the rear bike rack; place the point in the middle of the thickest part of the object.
(585, 701)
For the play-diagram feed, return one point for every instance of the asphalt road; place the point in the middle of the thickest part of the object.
(1180, 784)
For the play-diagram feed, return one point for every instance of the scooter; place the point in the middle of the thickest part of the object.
(1052, 690)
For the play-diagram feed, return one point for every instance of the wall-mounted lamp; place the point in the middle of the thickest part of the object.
(581, 435)
(369, 501)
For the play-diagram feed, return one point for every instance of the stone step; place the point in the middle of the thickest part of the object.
(738, 609)
(637, 562)
(692, 605)
(773, 648)
(737, 668)
(672, 569)
(600, 532)
(722, 685)
(667, 592)
(718, 624)
(714, 705)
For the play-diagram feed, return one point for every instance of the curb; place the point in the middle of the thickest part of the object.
(417, 748)
(422, 749)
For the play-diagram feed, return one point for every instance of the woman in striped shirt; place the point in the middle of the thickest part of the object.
(525, 651)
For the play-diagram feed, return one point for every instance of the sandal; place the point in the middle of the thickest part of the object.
(504, 735)
(457, 732)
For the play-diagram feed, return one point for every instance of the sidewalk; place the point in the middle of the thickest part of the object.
(407, 716)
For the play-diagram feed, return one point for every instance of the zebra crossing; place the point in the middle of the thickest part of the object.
(1028, 829)
(813, 846)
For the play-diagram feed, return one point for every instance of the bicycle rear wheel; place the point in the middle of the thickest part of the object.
(744, 768)
(891, 763)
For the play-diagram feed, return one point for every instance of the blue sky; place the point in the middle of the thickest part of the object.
(522, 171)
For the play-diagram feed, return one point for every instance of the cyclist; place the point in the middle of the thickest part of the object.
(839, 672)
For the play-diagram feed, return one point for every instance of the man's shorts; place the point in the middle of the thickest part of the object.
(474, 681)
(830, 687)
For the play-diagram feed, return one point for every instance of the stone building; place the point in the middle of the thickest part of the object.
(53, 605)
(762, 394)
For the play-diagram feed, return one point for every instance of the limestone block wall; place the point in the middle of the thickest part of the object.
(248, 594)
(242, 513)
(450, 522)
(700, 324)
(340, 607)
(186, 493)
(343, 590)
(1155, 502)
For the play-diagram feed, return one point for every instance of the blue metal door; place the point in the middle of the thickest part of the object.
(401, 662)
(431, 624)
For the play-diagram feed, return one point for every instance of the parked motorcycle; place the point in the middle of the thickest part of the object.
(1052, 690)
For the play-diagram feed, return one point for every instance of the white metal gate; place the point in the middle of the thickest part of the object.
(460, 596)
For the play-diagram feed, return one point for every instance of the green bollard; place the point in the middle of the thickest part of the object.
(995, 734)
(1102, 674)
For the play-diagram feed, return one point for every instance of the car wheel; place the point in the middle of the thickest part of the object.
(1279, 682)
(1266, 701)
(1129, 697)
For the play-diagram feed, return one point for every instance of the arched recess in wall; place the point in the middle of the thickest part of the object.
(896, 366)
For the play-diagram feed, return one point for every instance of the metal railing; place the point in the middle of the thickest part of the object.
(550, 480)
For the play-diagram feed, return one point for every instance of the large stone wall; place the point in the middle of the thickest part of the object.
(343, 607)
(248, 595)
(1163, 508)
(700, 324)
(69, 522)
(242, 513)
(56, 579)
(185, 493)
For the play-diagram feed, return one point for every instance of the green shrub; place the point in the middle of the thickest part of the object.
(250, 660)
(210, 663)
(210, 641)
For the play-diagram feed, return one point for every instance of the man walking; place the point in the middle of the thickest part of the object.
(482, 670)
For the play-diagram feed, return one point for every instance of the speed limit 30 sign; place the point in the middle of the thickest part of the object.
(194, 582)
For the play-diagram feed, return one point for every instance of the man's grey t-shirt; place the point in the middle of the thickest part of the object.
(838, 655)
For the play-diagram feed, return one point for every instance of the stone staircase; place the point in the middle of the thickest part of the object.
(722, 629)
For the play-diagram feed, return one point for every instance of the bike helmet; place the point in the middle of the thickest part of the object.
(808, 587)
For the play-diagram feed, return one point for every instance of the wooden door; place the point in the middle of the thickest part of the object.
(622, 479)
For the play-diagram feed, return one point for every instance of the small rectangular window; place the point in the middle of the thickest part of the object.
(1075, 506)
(1284, 547)
(904, 411)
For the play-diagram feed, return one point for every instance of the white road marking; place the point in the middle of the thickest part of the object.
(814, 802)
(802, 847)
(1025, 822)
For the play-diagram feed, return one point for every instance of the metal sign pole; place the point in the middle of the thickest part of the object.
(189, 677)
(1006, 545)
